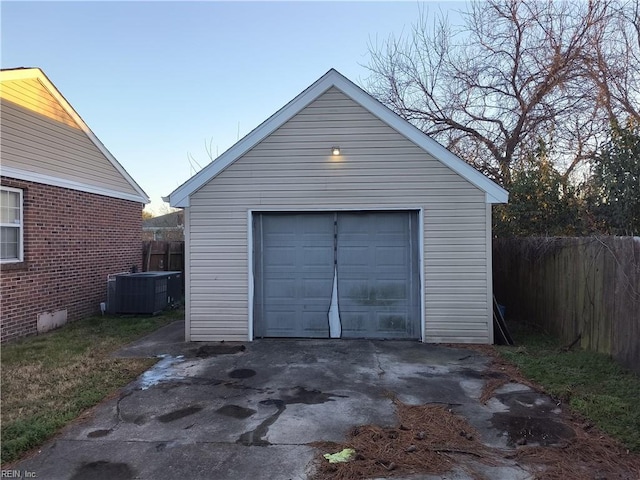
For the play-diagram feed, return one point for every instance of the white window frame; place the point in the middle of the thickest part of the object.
(19, 226)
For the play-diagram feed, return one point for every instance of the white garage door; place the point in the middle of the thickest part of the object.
(373, 255)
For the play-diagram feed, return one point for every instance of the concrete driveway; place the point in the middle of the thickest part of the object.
(251, 411)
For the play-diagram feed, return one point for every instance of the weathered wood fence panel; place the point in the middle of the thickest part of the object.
(162, 256)
(575, 287)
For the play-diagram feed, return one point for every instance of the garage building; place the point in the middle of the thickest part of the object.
(337, 218)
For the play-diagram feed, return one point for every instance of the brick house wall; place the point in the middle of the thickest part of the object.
(72, 241)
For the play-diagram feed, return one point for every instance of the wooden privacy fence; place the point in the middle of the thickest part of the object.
(162, 256)
(586, 288)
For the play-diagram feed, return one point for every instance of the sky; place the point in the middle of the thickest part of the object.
(158, 82)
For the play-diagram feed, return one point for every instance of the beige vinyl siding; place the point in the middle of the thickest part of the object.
(292, 170)
(39, 136)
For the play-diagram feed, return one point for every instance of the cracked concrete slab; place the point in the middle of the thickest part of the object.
(254, 412)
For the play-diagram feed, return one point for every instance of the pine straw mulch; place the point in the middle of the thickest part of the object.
(431, 439)
(425, 441)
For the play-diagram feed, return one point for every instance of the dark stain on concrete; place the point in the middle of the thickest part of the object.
(103, 470)
(480, 375)
(241, 386)
(236, 411)
(161, 446)
(307, 397)
(468, 373)
(255, 436)
(242, 373)
(494, 374)
(171, 384)
(294, 395)
(464, 372)
(178, 414)
(140, 420)
(441, 389)
(309, 358)
(531, 419)
(531, 430)
(99, 433)
(211, 350)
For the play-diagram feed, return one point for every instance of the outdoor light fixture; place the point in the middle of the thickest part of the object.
(335, 151)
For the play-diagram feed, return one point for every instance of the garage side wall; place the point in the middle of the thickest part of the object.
(292, 170)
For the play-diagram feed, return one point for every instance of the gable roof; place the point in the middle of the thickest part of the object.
(23, 73)
(494, 193)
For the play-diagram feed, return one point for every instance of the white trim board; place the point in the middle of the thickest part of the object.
(250, 232)
(423, 306)
(489, 257)
(19, 174)
(187, 275)
(20, 226)
(494, 193)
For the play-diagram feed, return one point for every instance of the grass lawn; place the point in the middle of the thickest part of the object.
(48, 380)
(592, 384)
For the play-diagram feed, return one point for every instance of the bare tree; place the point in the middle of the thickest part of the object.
(615, 61)
(516, 72)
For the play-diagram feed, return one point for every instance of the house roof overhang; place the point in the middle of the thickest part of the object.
(37, 73)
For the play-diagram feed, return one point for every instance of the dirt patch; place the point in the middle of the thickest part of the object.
(212, 350)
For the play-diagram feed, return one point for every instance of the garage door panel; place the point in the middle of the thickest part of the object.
(354, 256)
(281, 319)
(316, 323)
(365, 291)
(314, 289)
(279, 289)
(318, 256)
(391, 256)
(279, 256)
(377, 272)
(293, 273)
(392, 322)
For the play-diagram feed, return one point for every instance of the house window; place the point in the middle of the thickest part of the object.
(11, 249)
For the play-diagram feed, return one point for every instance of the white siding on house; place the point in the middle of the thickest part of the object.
(39, 136)
(292, 170)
